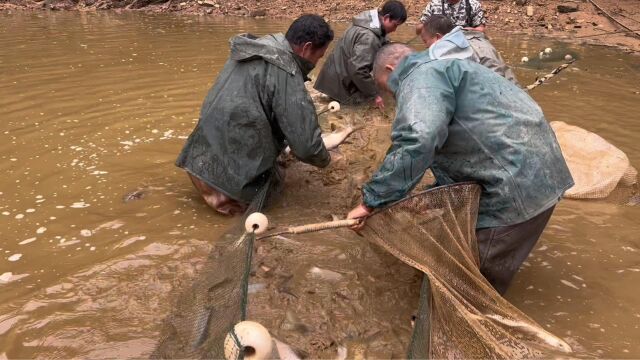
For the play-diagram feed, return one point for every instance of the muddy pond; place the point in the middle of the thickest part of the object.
(98, 105)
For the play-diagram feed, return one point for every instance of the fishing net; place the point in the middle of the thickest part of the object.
(459, 314)
(216, 301)
(597, 167)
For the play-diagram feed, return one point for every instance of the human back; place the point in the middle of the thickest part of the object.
(258, 102)
(493, 133)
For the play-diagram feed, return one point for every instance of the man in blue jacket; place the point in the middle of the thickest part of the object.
(467, 123)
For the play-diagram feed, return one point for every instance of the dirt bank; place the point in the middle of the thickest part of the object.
(568, 20)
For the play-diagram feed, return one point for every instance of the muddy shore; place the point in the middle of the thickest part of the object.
(576, 21)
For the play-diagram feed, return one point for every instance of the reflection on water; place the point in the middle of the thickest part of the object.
(98, 105)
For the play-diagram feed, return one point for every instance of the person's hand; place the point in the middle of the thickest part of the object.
(359, 212)
(379, 103)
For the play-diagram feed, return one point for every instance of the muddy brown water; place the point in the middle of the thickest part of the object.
(97, 105)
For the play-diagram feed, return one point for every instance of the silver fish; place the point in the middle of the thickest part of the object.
(333, 139)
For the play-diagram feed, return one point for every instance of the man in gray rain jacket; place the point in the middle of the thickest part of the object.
(346, 74)
(433, 28)
(257, 103)
(467, 123)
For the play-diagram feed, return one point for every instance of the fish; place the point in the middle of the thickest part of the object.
(136, 194)
(333, 139)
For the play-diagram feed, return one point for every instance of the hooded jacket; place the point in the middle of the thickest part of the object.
(488, 56)
(346, 74)
(258, 102)
(466, 123)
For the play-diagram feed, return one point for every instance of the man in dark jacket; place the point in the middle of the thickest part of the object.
(467, 123)
(346, 74)
(258, 102)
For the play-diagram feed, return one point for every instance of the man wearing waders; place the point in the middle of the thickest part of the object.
(346, 74)
(258, 102)
(466, 123)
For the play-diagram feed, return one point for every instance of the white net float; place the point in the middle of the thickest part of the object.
(256, 223)
(250, 339)
(334, 106)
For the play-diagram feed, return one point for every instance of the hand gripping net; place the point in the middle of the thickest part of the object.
(460, 314)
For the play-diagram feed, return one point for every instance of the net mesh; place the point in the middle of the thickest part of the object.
(460, 315)
(597, 167)
(206, 312)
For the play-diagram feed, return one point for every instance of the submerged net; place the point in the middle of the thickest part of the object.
(460, 314)
(216, 301)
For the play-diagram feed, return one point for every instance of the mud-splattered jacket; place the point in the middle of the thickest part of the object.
(346, 74)
(258, 102)
(467, 123)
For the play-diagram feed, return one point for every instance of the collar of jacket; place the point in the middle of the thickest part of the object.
(453, 45)
(370, 20)
(274, 49)
(304, 65)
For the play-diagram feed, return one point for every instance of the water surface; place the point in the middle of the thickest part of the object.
(96, 105)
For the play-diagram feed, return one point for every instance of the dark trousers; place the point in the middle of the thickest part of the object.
(503, 249)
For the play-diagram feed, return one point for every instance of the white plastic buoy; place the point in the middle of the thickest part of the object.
(256, 223)
(334, 106)
(568, 57)
(548, 51)
(251, 337)
(524, 59)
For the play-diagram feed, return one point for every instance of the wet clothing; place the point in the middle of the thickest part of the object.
(346, 74)
(465, 13)
(467, 123)
(503, 249)
(488, 56)
(258, 102)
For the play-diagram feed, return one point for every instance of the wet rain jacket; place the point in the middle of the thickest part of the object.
(466, 123)
(257, 102)
(346, 74)
(488, 56)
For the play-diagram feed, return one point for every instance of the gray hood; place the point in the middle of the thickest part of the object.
(369, 20)
(274, 49)
(453, 45)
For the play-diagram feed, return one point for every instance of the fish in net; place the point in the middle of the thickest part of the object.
(217, 300)
(459, 315)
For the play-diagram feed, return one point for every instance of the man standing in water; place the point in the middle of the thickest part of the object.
(467, 123)
(346, 75)
(258, 102)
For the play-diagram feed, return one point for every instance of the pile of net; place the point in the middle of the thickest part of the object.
(597, 167)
